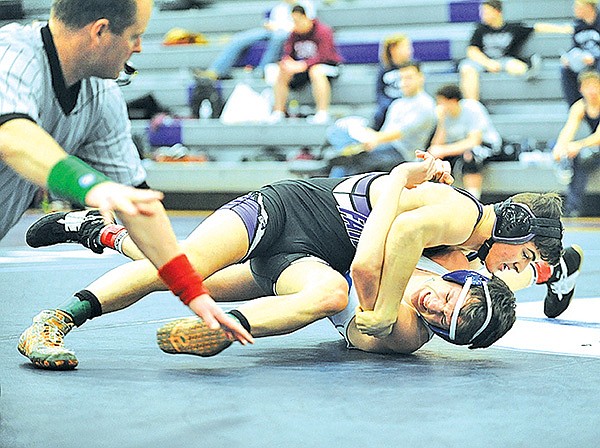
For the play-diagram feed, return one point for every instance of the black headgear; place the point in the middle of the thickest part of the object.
(516, 224)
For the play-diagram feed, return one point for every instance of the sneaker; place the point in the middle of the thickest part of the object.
(275, 117)
(561, 284)
(42, 343)
(192, 336)
(82, 227)
(321, 117)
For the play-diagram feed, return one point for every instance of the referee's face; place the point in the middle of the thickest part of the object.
(121, 46)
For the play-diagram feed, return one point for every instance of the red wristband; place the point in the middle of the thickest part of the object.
(181, 278)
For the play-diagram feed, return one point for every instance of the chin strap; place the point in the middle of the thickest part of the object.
(484, 250)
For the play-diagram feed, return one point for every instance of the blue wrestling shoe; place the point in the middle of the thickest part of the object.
(81, 227)
(561, 285)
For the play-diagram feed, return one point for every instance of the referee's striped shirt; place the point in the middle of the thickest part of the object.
(88, 120)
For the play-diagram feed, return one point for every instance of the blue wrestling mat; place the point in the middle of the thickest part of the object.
(537, 387)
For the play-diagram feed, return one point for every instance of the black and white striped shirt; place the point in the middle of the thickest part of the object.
(88, 120)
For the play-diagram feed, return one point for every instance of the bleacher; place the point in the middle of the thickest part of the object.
(522, 110)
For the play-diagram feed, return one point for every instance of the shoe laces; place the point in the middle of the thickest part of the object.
(89, 233)
(50, 330)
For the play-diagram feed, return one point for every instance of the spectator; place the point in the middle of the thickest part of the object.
(408, 125)
(464, 134)
(275, 31)
(396, 49)
(494, 46)
(586, 47)
(309, 55)
(582, 154)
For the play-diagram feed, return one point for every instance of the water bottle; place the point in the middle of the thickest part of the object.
(205, 112)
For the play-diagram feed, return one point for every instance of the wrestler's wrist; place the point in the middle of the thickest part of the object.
(182, 279)
(72, 179)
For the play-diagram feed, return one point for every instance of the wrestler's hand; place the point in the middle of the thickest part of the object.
(111, 196)
(573, 149)
(206, 308)
(429, 169)
(373, 324)
(442, 171)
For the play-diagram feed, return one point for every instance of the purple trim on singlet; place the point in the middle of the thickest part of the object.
(354, 219)
(471, 256)
(477, 203)
(362, 203)
(248, 209)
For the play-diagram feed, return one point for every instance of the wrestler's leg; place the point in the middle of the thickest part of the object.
(219, 241)
(308, 290)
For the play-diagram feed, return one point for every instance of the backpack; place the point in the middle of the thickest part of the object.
(206, 89)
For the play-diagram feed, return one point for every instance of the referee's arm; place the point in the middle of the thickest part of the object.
(29, 150)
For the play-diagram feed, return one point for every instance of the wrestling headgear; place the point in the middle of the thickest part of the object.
(466, 278)
(516, 224)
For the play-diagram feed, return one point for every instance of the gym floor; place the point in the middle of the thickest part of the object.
(537, 387)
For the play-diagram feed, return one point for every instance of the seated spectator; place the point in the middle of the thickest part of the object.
(309, 56)
(585, 53)
(395, 50)
(583, 154)
(408, 125)
(275, 31)
(495, 46)
(465, 135)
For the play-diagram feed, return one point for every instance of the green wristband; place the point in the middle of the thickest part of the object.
(72, 178)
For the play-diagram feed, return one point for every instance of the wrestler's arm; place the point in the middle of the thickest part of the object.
(407, 336)
(412, 231)
(408, 333)
(368, 260)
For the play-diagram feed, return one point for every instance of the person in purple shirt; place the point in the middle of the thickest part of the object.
(309, 55)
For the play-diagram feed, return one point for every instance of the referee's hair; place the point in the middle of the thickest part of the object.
(76, 14)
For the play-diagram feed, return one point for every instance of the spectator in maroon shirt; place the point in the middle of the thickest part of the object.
(309, 55)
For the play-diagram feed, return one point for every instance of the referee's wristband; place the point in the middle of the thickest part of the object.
(72, 179)
(182, 279)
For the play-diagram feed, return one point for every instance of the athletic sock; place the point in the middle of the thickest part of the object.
(237, 315)
(83, 306)
(112, 236)
(542, 272)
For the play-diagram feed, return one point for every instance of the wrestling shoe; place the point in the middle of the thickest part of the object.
(81, 227)
(561, 285)
(192, 336)
(42, 343)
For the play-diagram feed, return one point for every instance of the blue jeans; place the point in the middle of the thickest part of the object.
(576, 191)
(244, 40)
(569, 85)
(383, 158)
(382, 106)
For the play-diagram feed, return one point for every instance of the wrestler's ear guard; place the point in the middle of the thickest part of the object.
(467, 278)
(516, 224)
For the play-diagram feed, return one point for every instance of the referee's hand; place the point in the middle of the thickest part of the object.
(113, 197)
(206, 308)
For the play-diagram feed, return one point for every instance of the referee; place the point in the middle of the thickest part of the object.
(61, 113)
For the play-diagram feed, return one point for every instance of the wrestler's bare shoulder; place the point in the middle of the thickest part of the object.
(432, 193)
